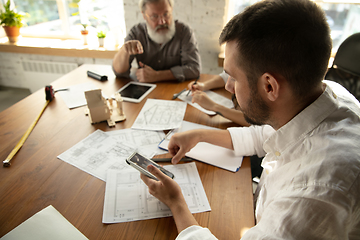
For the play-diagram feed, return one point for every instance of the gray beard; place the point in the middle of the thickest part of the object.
(159, 37)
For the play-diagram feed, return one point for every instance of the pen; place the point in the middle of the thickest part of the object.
(190, 89)
(178, 94)
(168, 134)
(184, 159)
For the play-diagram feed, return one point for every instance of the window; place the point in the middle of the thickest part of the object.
(343, 16)
(63, 18)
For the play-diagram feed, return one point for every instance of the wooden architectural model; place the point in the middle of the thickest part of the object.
(99, 109)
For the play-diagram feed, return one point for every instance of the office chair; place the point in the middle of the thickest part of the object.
(346, 66)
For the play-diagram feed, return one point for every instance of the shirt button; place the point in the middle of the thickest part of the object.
(277, 153)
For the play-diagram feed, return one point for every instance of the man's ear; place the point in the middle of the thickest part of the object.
(270, 86)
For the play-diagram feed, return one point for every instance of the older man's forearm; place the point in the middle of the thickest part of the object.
(121, 61)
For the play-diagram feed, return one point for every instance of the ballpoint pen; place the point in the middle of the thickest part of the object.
(184, 159)
(190, 89)
(178, 94)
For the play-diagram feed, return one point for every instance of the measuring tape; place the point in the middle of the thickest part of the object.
(49, 95)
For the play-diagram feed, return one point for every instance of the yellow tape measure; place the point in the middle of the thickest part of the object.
(6, 162)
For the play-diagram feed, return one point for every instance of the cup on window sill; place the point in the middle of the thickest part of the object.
(101, 42)
(84, 34)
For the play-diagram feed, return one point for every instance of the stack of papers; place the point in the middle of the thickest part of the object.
(103, 155)
(160, 115)
(127, 198)
(101, 151)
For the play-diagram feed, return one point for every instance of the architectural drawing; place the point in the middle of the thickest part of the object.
(127, 198)
(100, 151)
(160, 115)
(141, 138)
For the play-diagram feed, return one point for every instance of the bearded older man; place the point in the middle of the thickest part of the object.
(165, 49)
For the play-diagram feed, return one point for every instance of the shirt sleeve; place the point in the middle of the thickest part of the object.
(130, 36)
(190, 57)
(302, 218)
(224, 76)
(248, 141)
(195, 233)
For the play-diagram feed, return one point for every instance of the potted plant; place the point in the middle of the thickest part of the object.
(101, 36)
(11, 22)
(84, 33)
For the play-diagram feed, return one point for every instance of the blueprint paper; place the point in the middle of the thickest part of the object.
(100, 151)
(75, 95)
(46, 224)
(127, 198)
(206, 152)
(141, 138)
(159, 115)
(217, 98)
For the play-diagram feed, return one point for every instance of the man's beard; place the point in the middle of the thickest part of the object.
(257, 112)
(161, 38)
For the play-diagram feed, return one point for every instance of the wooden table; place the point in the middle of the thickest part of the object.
(37, 178)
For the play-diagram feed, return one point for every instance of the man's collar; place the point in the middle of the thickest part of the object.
(302, 123)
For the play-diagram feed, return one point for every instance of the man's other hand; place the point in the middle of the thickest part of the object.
(133, 47)
(146, 74)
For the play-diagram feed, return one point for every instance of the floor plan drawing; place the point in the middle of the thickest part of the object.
(99, 152)
(160, 115)
(127, 198)
(141, 138)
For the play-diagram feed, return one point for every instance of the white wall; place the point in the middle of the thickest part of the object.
(13, 74)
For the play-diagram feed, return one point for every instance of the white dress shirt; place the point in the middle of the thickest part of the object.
(310, 186)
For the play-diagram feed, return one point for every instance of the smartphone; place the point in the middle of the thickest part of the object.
(140, 163)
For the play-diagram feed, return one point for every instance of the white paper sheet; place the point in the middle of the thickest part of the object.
(141, 138)
(208, 153)
(127, 198)
(100, 151)
(75, 96)
(217, 98)
(159, 115)
(44, 225)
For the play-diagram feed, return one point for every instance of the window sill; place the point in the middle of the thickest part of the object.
(58, 47)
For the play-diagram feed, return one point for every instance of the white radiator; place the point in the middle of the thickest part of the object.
(38, 74)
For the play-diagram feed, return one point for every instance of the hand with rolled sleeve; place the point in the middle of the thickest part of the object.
(200, 86)
(181, 143)
(203, 100)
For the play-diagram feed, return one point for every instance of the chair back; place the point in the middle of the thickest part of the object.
(347, 57)
(346, 66)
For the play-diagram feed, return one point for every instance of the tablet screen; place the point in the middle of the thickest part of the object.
(134, 91)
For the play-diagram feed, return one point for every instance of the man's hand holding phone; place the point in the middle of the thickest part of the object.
(166, 189)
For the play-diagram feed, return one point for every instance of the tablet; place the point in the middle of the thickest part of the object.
(135, 91)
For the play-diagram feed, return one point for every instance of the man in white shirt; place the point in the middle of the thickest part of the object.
(276, 54)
